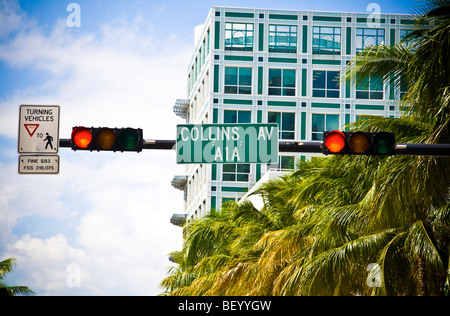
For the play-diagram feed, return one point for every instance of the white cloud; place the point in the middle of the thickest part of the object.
(123, 229)
(126, 74)
(11, 17)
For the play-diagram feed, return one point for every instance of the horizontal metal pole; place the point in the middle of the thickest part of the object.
(65, 143)
(300, 147)
(437, 150)
(160, 144)
(147, 144)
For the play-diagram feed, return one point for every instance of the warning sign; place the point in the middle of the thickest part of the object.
(31, 128)
(38, 129)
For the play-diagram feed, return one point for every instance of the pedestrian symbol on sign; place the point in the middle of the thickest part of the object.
(49, 140)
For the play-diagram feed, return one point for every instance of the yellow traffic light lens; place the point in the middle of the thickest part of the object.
(82, 137)
(106, 139)
(335, 141)
(359, 142)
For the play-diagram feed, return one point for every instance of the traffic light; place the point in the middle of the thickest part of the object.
(358, 143)
(107, 139)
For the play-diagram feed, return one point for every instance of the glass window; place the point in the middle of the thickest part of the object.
(370, 88)
(244, 117)
(283, 38)
(236, 172)
(239, 36)
(286, 123)
(245, 80)
(233, 116)
(228, 199)
(322, 123)
(403, 87)
(229, 116)
(287, 162)
(238, 80)
(282, 82)
(326, 84)
(284, 163)
(403, 34)
(326, 40)
(368, 37)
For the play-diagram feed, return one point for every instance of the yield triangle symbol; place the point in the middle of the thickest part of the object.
(31, 128)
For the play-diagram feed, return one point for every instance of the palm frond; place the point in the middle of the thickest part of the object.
(388, 63)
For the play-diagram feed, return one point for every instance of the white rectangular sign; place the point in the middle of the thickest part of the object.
(39, 164)
(38, 129)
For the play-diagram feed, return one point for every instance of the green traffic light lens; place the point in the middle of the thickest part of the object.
(384, 143)
(129, 139)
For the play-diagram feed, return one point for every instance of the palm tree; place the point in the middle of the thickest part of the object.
(417, 185)
(423, 67)
(348, 232)
(6, 266)
(324, 226)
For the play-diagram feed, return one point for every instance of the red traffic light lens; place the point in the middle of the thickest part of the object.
(335, 141)
(82, 137)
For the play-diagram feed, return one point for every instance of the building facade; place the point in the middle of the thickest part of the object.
(278, 66)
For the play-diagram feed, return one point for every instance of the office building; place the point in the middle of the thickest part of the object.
(277, 66)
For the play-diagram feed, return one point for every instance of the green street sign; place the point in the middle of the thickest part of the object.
(227, 143)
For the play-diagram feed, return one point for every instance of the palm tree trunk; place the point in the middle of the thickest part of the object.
(423, 279)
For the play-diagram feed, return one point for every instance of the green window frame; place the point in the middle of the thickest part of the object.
(326, 40)
(238, 80)
(239, 36)
(370, 88)
(368, 37)
(326, 84)
(283, 38)
(236, 172)
(321, 123)
(282, 81)
(286, 123)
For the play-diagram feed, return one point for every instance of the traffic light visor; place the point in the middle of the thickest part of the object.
(81, 137)
(335, 141)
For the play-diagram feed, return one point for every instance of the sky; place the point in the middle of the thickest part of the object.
(102, 226)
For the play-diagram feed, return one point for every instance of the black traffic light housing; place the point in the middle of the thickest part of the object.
(107, 139)
(358, 143)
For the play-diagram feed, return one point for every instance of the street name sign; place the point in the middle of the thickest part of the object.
(227, 143)
(38, 129)
(39, 164)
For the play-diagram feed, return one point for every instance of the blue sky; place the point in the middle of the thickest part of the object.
(106, 214)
